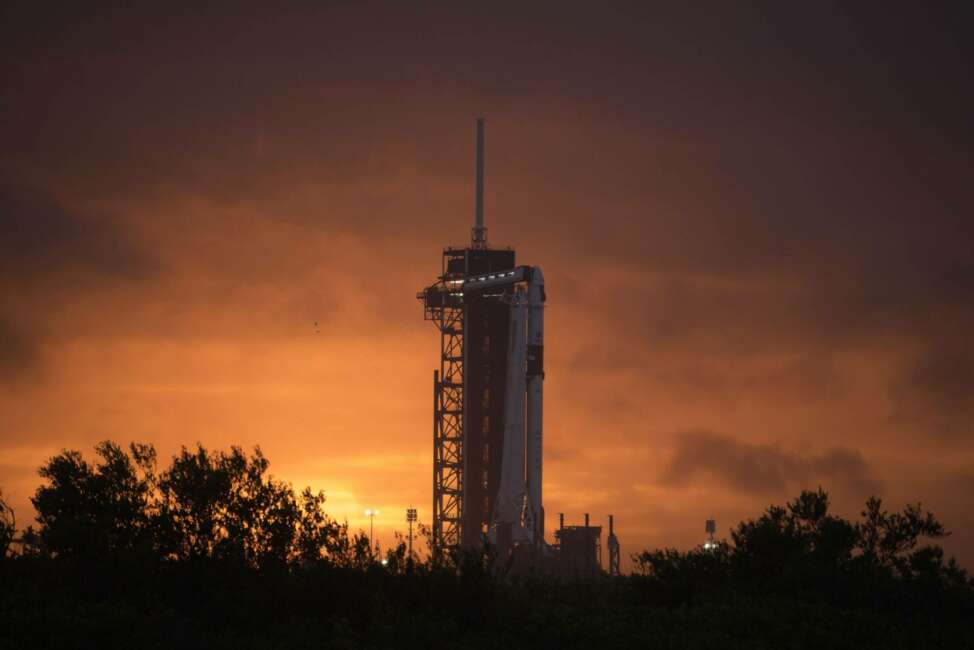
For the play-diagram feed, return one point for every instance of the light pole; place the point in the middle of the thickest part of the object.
(411, 518)
(711, 528)
(370, 513)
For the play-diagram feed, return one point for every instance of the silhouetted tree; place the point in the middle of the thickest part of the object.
(888, 541)
(32, 545)
(91, 510)
(224, 506)
(678, 576)
(319, 537)
(397, 558)
(361, 554)
(793, 547)
(229, 557)
(8, 527)
(802, 550)
(221, 505)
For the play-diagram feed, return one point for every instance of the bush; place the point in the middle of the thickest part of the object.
(213, 552)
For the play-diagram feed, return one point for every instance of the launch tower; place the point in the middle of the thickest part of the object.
(487, 394)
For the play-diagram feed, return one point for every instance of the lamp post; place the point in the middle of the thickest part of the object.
(711, 528)
(411, 518)
(370, 513)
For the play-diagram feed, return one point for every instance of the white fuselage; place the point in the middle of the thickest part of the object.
(518, 501)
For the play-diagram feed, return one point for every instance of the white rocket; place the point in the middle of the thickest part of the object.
(509, 505)
(517, 504)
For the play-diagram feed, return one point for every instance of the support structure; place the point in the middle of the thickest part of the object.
(579, 549)
(535, 404)
(487, 395)
(613, 544)
(446, 312)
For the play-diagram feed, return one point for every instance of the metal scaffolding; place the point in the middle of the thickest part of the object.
(445, 309)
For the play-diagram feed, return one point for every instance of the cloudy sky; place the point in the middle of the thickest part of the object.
(756, 227)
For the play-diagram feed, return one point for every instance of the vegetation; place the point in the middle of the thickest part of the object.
(213, 552)
(803, 552)
(8, 527)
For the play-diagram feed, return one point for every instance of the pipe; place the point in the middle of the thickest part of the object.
(535, 402)
(437, 530)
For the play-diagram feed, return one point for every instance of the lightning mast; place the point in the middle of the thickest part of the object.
(478, 237)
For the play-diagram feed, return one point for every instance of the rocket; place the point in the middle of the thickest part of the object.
(518, 507)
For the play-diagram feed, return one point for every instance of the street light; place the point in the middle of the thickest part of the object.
(411, 518)
(371, 515)
(710, 527)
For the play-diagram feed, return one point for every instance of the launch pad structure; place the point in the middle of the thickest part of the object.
(488, 398)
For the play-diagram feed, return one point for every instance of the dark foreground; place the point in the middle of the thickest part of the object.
(213, 553)
(59, 605)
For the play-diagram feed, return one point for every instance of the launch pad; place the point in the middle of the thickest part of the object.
(488, 402)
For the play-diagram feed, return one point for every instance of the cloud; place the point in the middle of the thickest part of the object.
(50, 260)
(19, 352)
(45, 243)
(764, 469)
(937, 386)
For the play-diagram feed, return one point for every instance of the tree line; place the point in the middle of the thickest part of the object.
(212, 551)
(880, 561)
(219, 506)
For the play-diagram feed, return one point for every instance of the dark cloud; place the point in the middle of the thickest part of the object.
(935, 390)
(19, 352)
(807, 379)
(43, 242)
(52, 260)
(764, 469)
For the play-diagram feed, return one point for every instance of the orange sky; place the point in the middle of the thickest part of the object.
(754, 226)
